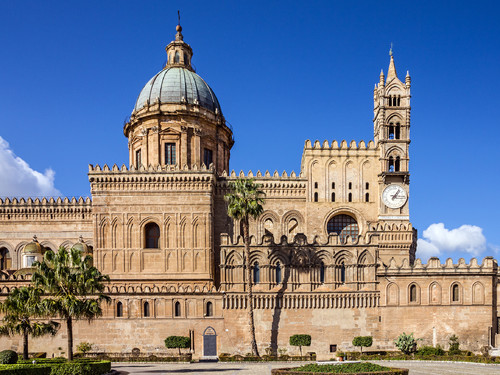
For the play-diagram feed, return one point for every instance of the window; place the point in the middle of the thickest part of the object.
(391, 164)
(138, 160)
(256, 273)
(398, 131)
(342, 273)
(391, 131)
(4, 259)
(119, 310)
(146, 309)
(333, 185)
(413, 293)
(315, 197)
(455, 293)
(322, 273)
(152, 234)
(268, 226)
(177, 58)
(350, 197)
(186, 59)
(367, 197)
(343, 225)
(350, 185)
(209, 309)
(397, 164)
(367, 185)
(333, 348)
(333, 197)
(170, 154)
(315, 185)
(278, 273)
(177, 309)
(207, 157)
(30, 260)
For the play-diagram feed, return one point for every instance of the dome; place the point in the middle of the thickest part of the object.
(82, 247)
(178, 85)
(33, 247)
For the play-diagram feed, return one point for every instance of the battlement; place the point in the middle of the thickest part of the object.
(300, 240)
(159, 168)
(434, 265)
(46, 208)
(259, 175)
(342, 146)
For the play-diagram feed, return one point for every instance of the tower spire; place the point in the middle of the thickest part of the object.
(391, 73)
(179, 53)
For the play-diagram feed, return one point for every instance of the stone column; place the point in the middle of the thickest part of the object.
(196, 155)
(184, 149)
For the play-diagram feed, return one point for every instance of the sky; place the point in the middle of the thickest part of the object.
(283, 72)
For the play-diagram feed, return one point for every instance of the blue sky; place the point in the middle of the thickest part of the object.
(283, 72)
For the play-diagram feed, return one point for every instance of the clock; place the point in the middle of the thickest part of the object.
(394, 196)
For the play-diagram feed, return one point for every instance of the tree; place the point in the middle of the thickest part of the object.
(361, 341)
(73, 286)
(21, 306)
(454, 345)
(245, 201)
(300, 341)
(406, 343)
(179, 342)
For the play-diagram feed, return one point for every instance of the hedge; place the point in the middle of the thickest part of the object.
(69, 368)
(8, 357)
(348, 368)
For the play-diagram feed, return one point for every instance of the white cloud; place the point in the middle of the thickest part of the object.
(437, 241)
(17, 179)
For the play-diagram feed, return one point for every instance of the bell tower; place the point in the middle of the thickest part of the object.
(392, 134)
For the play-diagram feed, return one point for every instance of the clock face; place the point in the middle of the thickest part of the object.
(394, 196)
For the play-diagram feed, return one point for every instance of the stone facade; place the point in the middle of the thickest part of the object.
(333, 254)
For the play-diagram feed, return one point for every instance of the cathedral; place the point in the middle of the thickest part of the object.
(333, 254)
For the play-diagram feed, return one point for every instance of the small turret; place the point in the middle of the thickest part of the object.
(382, 78)
(408, 79)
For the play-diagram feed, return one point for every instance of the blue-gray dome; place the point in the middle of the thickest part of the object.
(178, 85)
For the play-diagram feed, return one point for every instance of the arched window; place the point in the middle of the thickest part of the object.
(315, 197)
(315, 185)
(398, 131)
(146, 309)
(343, 225)
(342, 273)
(186, 59)
(391, 131)
(119, 309)
(209, 309)
(278, 273)
(391, 164)
(333, 185)
(177, 58)
(177, 309)
(268, 226)
(152, 235)
(256, 273)
(322, 273)
(455, 293)
(397, 164)
(5, 260)
(293, 227)
(350, 185)
(399, 100)
(367, 197)
(333, 197)
(413, 293)
(350, 197)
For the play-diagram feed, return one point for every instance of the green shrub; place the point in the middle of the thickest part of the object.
(84, 347)
(179, 342)
(300, 341)
(361, 341)
(430, 350)
(342, 369)
(25, 369)
(406, 343)
(8, 357)
(454, 345)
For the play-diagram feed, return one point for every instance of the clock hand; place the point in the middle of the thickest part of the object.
(395, 195)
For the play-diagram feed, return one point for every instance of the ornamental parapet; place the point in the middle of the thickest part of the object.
(13, 208)
(310, 300)
(489, 266)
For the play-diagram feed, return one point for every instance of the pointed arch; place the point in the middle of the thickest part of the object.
(435, 293)
(413, 293)
(478, 293)
(392, 294)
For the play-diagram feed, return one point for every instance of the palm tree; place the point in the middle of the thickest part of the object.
(244, 201)
(73, 286)
(21, 306)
